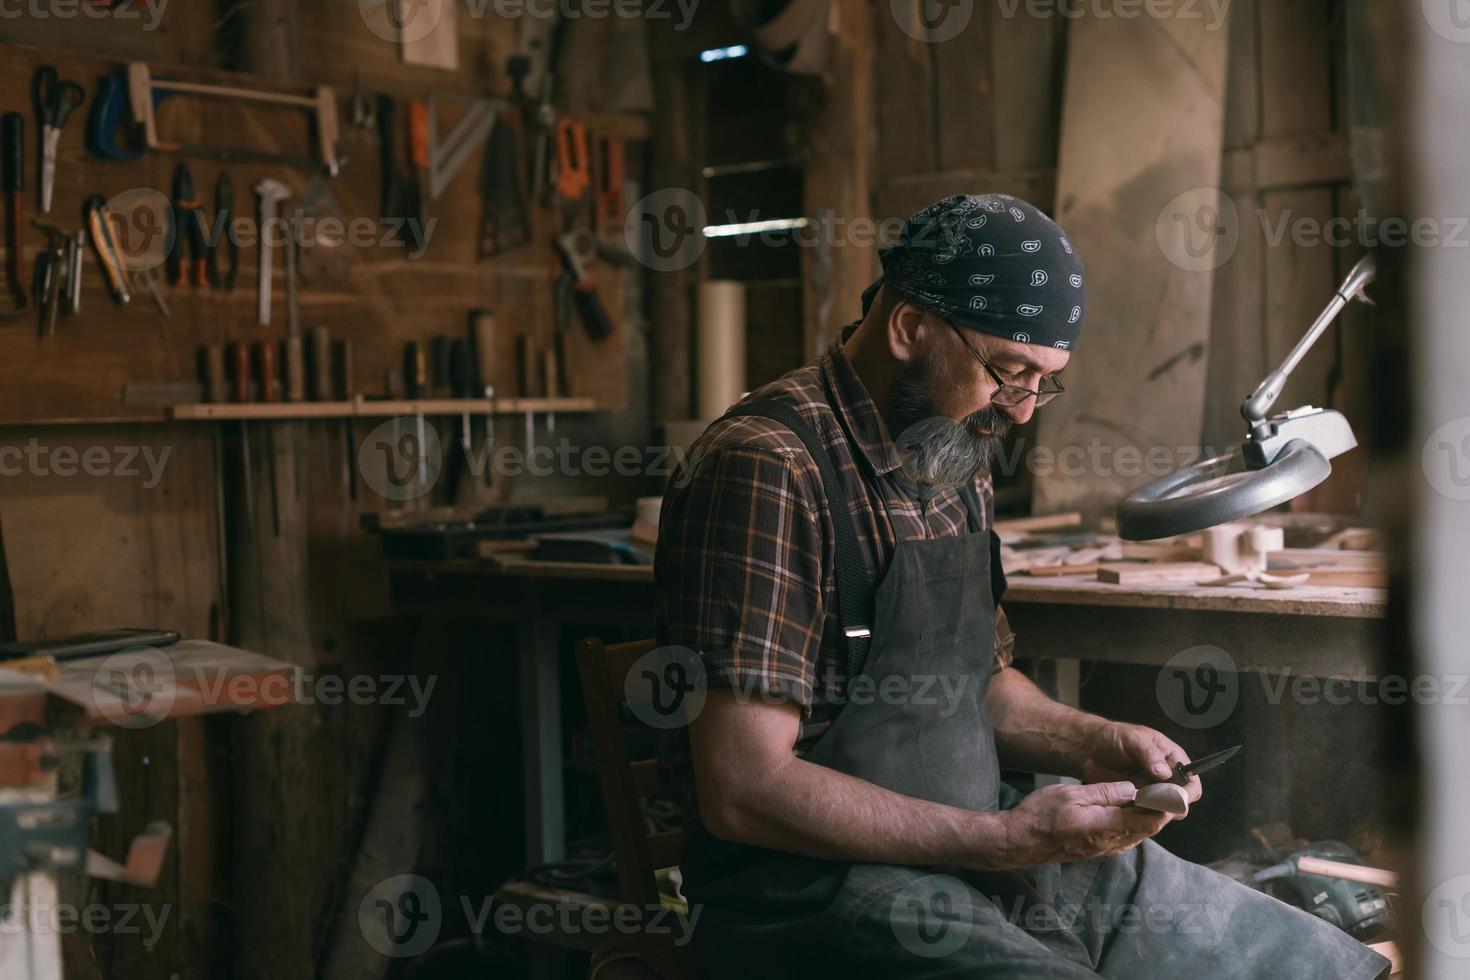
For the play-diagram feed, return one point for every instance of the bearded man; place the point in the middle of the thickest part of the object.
(828, 554)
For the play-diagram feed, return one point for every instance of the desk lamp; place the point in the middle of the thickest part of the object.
(1283, 455)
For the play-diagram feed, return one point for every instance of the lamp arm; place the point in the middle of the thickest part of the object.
(1254, 408)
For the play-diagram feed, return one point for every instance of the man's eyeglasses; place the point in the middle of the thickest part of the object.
(1008, 395)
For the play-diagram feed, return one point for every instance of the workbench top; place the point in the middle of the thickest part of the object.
(1084, 590)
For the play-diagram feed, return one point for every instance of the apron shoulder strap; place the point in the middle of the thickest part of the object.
(976, 514)
(854, 587)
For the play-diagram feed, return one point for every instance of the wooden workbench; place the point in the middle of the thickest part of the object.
(1061, 621)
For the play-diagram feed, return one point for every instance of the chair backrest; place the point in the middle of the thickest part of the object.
(625, 781)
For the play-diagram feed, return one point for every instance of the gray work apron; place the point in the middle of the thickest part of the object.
(914, 721)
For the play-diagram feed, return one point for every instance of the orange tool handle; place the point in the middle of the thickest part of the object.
(418, 134)
(610, 209)
(572, 173)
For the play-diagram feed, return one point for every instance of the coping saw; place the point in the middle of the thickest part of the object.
(145, 92)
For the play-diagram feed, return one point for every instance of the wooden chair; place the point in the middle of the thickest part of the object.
(639, 854)
(626, 783)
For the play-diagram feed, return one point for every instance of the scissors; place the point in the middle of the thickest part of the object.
(55, 101)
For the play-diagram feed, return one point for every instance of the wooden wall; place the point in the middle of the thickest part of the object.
(267, 808)
(392, 295)
(983, 112)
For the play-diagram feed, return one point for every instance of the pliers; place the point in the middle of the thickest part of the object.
(188, 219)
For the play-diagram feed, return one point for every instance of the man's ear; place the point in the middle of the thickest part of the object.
(907, 332)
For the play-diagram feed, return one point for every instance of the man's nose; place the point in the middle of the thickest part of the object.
(1019, 413)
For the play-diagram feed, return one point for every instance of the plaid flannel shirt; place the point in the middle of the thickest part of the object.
(745, 556)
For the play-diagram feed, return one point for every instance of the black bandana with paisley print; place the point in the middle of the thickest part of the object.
(990, 262)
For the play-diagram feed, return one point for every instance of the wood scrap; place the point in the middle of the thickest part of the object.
(1175, 550)
(1327, 557)
(1348, 578)
(1014, 527)
(499, 548)
(1329, 567)
(1356, 539)
(1348, 872)
(1052, 571)
(1157, 573)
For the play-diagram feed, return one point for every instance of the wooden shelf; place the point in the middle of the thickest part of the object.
(363, 408)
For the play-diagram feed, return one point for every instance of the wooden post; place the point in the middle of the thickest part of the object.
(840, 264)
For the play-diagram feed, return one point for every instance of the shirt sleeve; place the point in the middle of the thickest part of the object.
(739, 571)
(1005, 641)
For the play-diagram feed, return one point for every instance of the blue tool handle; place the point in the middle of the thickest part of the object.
(109, 111)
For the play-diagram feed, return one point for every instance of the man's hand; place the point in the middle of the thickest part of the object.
(1077, 823)
(1119, 751)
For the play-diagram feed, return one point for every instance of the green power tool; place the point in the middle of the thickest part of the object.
(1358, 909)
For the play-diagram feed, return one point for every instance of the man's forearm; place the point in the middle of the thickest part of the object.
(753, 789)
(803, 808)
(1034, 732)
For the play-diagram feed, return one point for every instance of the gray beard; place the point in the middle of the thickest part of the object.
(934, 449)
(942, 453)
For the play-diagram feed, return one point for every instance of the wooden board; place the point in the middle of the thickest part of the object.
(1142, 123)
